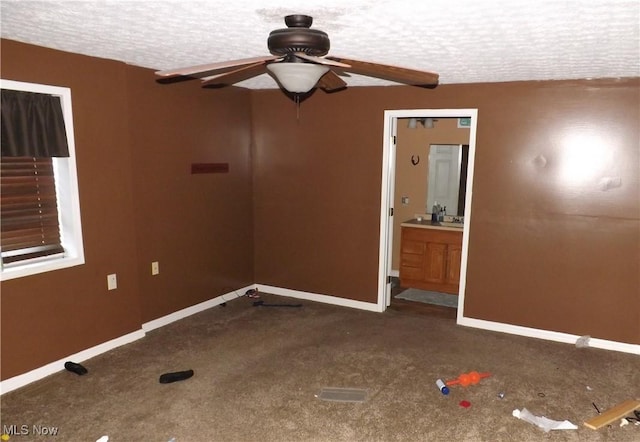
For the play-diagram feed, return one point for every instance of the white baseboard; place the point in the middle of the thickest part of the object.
(326, 299)
(56, 366)
(547, 334)
(34, 375)
(180, 314)
(53, 367)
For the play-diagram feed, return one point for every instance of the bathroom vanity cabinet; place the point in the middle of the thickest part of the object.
(430, 257)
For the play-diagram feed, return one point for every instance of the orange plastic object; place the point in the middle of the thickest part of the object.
(467, 379)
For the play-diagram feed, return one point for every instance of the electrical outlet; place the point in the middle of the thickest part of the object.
(112, 282)
(155, 268)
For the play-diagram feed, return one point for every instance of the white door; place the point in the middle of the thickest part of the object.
(391, 171)
(444, 176)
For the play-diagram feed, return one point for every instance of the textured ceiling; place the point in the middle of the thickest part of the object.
(462, 40)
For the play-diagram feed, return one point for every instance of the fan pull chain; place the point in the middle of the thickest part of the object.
(297, 101)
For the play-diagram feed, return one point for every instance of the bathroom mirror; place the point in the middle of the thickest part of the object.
(447, 177)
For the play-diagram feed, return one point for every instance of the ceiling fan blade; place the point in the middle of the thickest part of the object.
(320, 60)
(214, 67)
(388, 72)
(330, 82)
(235, 76)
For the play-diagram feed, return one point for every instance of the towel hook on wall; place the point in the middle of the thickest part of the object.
(415, 159)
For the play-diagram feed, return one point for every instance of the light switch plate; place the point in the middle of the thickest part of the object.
(112, 282)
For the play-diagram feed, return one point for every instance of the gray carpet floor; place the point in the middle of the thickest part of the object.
(258, 372)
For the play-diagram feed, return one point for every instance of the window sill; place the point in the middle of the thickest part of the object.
(37, 266)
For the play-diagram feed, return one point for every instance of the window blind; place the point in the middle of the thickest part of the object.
(29, 209)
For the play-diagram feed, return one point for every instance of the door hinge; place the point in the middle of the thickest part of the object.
(389, 279)
(390, 211)
(394, 140)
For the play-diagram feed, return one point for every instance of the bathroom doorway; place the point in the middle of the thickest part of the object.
(407, 168)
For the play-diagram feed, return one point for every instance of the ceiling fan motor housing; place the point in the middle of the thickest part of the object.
(297, 37)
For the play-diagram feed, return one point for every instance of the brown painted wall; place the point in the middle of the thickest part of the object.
(135, 141)
(197, 226)
(568, 253)
(544, 252)
(317, 192)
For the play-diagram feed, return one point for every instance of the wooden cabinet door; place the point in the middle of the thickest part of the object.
(454, 259)
(430, 259)
(435, 262)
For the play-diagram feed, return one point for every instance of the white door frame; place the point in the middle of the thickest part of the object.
(388, 189)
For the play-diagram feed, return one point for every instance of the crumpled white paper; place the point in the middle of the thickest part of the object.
(543, 422)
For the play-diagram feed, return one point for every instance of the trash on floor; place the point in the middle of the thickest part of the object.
(442, 387)
(252, 293)
(543, 422)
(635, 418)
(583, 341)
(465, 404)
(342, 394)
(103, 439)
(467, 379)
(615, 413)
(262, 304)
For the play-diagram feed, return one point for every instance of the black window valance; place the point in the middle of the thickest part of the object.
(32, 125)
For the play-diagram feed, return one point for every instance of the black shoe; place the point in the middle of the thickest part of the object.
(75, 368)
(167, 378)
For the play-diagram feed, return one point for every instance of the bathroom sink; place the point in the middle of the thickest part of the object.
(448, 224)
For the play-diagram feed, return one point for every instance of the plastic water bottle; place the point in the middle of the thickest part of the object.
(442, 387)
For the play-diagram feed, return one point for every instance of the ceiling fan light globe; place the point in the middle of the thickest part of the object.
(297, 78)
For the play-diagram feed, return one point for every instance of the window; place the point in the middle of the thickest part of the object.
(40, 217)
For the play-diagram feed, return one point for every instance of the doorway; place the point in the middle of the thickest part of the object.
(466, 118)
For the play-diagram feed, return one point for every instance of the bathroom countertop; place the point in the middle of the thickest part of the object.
(426, 224)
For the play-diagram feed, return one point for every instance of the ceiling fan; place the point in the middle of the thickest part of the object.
(299, 64)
